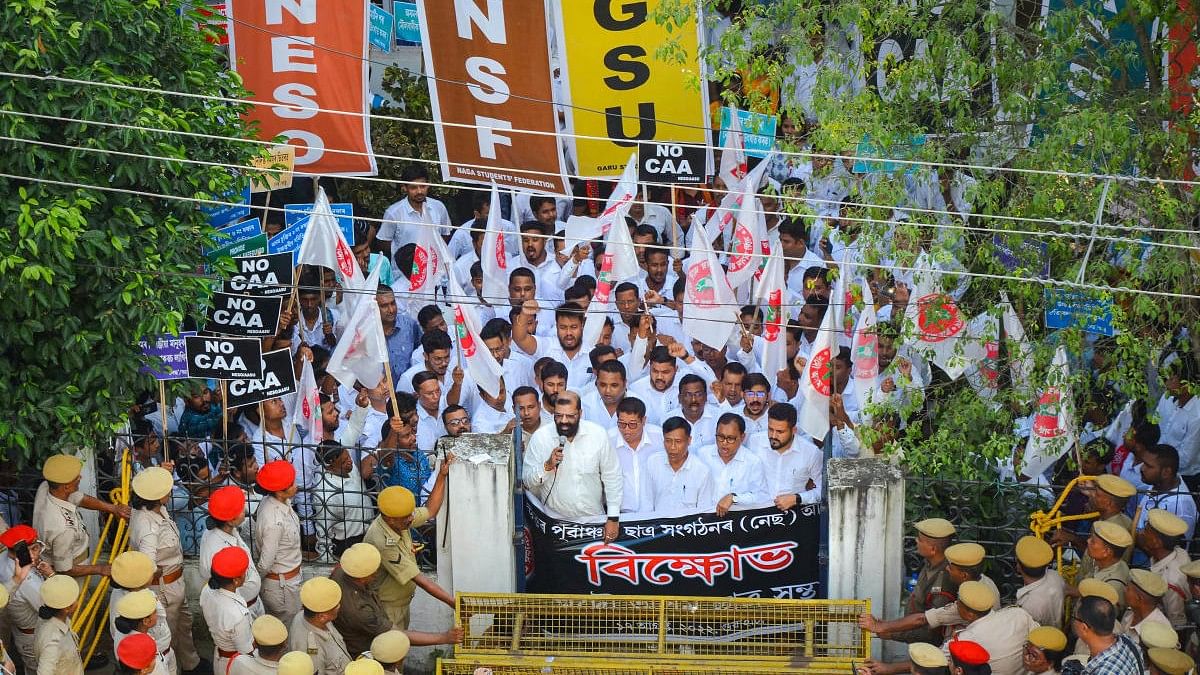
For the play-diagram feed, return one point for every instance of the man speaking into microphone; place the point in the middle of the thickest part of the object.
(572, 467)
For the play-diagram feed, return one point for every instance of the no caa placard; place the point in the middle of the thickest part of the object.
(243, 315)
(261, 275)
(671, 163)
(278, 379)
(221, 358)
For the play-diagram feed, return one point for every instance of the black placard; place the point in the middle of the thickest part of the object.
(756, 553)
(243, 315)
(278, 379)
(261, 275)
(222, 358)
(671, 163)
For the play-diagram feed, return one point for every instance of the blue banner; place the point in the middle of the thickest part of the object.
(1067, 308)
(294, 213)
(408, 26)
(1028, 255)
(222, 214)
(381, 31)
(758, 131)
(232, 234)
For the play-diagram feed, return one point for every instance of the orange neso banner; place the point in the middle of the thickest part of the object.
(489, 71)
(298, 56)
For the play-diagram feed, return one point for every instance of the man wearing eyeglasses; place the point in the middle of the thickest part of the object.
(635, 441)
(756, 399)
(738, 474)
(573, 468)
(456, 421)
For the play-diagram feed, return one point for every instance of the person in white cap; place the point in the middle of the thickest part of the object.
(57, 645)
(313, 631)
(1160, 540)
(270, 644)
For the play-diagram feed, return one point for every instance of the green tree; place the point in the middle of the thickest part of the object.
(85, 273)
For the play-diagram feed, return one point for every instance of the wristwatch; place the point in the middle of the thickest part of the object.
(614, 519)
(735, 497)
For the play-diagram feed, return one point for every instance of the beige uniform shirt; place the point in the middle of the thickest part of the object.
(211, 543)
(57, 649)
(1177, 585)
(161, 631)
(1117, 576)
(276, 537)
(1002, 633)
(156, 535)
(229, 620)
(24, 601)
(41, 502)
(948, 615)
(1133, 630)
(252, 664)
(1043, 599)
(65, 535)
(399, 564)
(325, 646)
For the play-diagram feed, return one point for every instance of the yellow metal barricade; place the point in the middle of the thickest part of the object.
(1040, 523)
(502, 665)
(689, 632)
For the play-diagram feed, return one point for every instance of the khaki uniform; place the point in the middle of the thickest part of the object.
(948, 615)
(933, 589)
(1087, 565)
(157, 535)
(1043, 599)
(58, 649)
(1002, 633)
(161, 632)
(211, 543)
(65, 535)
(230, 623)
(1115, 575)
(1177, 585)
(252, 664)
(23, 603)
(326, 647)
(399, 566)
(41, 505)
(362, 615)
(1133, 630)
(277, 539)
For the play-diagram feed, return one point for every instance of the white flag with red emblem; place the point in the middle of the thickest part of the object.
(617, 264)
(325, 245)
(306, 413)
(864, 350)
(492, 256)
(982, 350)
(733, 155)
(481, 365)
(749, 229)
(769, 294)
(1053, 431)
(709, 310)
(621, 198)
(938, 323)
(1020, 350)
(816, 379)
(361, 354)
(431, 260)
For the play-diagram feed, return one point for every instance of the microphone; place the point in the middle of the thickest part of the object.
(562, 443)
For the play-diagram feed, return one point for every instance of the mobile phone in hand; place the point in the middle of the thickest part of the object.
(21, 551)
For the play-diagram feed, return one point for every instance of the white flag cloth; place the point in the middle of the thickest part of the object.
(770, 293)
(1020, 351)
(816, 380)
(621, 198)
(361, 354)
(749, 229)
(431, 260)
(864, 354)
(709, 311)
(325, 245)
(617, 264)
(733, 155)
(982, 352)
(1053, 431)
(939, 324)
(493, 258)
(306, 412)
(481, 365)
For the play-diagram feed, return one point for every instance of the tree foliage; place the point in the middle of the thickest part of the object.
(86, 272)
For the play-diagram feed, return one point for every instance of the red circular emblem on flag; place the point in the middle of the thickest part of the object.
(938, 317)
(345, 259)
(1045, 420)
(700, 287)
(743, 246)
(465, 342)
(820, 372)
(420, 268)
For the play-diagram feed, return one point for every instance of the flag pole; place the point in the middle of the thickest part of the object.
(387, 372)
(225, 412)
(162, 406)
(674, 223)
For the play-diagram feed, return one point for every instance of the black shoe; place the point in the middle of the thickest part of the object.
(202, 668)
(99, 660)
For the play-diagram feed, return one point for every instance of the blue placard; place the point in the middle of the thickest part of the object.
(1067, 308)
(294, 213)
(171, 351)
(222, 214)
(381, 31)
(904, 151)
(408, 26)
(232, 234)
(758, 131)
(289, 240)
(1016, 252)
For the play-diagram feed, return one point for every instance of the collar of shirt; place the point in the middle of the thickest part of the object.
(234, 597)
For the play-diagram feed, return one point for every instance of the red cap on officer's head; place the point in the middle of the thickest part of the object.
(277, 476)
(967, 653)
(230, 562)
(227, 503)
(137, 651)
(16, 534)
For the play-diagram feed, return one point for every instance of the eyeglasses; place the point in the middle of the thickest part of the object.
(628, 425)
(728, 439)
(461, 422)
(754, 394)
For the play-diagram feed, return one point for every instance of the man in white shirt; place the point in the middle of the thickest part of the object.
(572, 467)
(694, 406)
(402, 221)
(798, 257)
(756, 400)
(518, 368)
(535, 256)
(1179, 414)
(635, 441)
(654, 215)
(1160, 470)
(523, 286)
(456, 387)
(793, 464)
(658, 389)
(467, 238)
(567, 349)
(429, 406)
(738, 474)
(601, 401)
(342, 505)
(657, 275)
(676, 481)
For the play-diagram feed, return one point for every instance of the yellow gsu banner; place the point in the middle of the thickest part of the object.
(618, 90)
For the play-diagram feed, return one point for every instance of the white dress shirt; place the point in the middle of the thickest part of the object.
(342, 505)
(211, 543)
(660, 405)
(688, 490)
(704, 430)
(402, 223)
(743, 475)
(789, 471)
(587, 483)
(633, 465)
(1181, 430)
(594, 410)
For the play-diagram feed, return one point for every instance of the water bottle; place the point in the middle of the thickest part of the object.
(911, 584)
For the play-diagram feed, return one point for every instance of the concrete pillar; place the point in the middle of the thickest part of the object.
(89, 485)
(475, 527)
(866, 534)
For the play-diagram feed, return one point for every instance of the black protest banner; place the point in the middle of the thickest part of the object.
(262, 275)
(756, 553)
(277, 379)
(671, 163)
(222, 358)
(243, 315)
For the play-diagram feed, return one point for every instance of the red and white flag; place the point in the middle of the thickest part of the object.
(733, 155)
(306, 412)
(749, 229)
(621, 198)
(864, 352)
(1053, 431)
(709, 310)
(481, 365)
(431, 260)
(939, 324)
(1020, 350)
(769, 293)
(982, 352)
(617, 264)
(361, 354)
(325, 245)
(493, 257)
(816, 381)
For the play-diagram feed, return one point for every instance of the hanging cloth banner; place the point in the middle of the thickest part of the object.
(488, 68)
(620, 91)
(300, 56)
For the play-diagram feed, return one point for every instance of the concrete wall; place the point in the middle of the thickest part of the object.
(475, 528)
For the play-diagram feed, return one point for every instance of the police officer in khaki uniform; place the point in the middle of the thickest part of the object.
(1044, 651)
(24, 593)
(133, 571)
(1156, 634)
(1106, 549)
(389, 649)
(1043, 589)
(153, 531)
(296, 663)
(67, 466)
(1169, 662)
(1143, 595)
(1002, 632)
(230, 621)
(389, 533)
(1109, 497)
(57, 645)
(927, 659)
(313, 631)
(364, 667)
(62, 527)
(934, 588)
(1160, 541)
(277, 540)
(270, 644)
